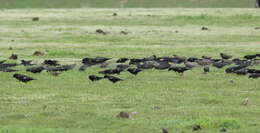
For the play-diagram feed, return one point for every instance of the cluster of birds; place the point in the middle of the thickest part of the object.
(175, 63)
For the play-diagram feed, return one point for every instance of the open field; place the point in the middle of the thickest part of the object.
(72, 103)
(13, 4)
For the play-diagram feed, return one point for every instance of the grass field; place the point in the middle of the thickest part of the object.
(71, 103)
(124, 3)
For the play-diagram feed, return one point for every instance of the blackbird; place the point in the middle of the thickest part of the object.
(22, 78)
(249, 57)
(112, 71)
(35, 69)
(51, 62)
(94, 61)
(94, 78)
(164, 130)
(26, 62)
(206, 69)
(254, 75)
(225, 56)
(13, 57)
(178, 69)
(112, 78)
(134, 71)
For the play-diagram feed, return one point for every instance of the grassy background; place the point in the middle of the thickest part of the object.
(124, 3)
(71, 103)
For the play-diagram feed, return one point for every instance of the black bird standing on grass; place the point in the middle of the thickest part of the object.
(26, 62)
(254, 75)
(35, 69)
(164, 130)
(94, 61)
(206, 69)
(112, 71)
(22, 78)
(94, 78)
(13, 57)
(134, 71)
(162, 65)
(178, 69)
(51, 62)
(112, 78)
(250, 57)
(225, 56)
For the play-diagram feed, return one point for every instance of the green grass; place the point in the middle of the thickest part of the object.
(124, 3)
(71, 103)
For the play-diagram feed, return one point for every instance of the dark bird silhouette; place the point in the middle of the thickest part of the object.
(26, 62)
(122, 60)
(204, 28)
(94, 61)
(123, 115)
(112, 78)
(206, 69)
(162, 65)
(6, 65)
(178, 69)
(13, 57)
(240, 62)
(196, 128)
(254, 75)
(35, 69)
(51, 62)
(134, 71)
(100, 31)
(111, 71)
(225, 56)
(35, 19)
(146, 65)
(242, 71)
(38, 53)
(203, 62)
(23, 78)
(253, 71)
(178, 59)
(219, 64)
(233, 69)
(114, 14)
(164, 130)
(94, 78)
(206, 57)
(192, 59)
(124, 32)
(223, 130)
(250, 57)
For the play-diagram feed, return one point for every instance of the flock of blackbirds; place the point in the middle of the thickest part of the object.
(175, 63)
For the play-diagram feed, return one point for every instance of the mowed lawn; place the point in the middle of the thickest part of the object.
(13, 4)
(72, 103)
